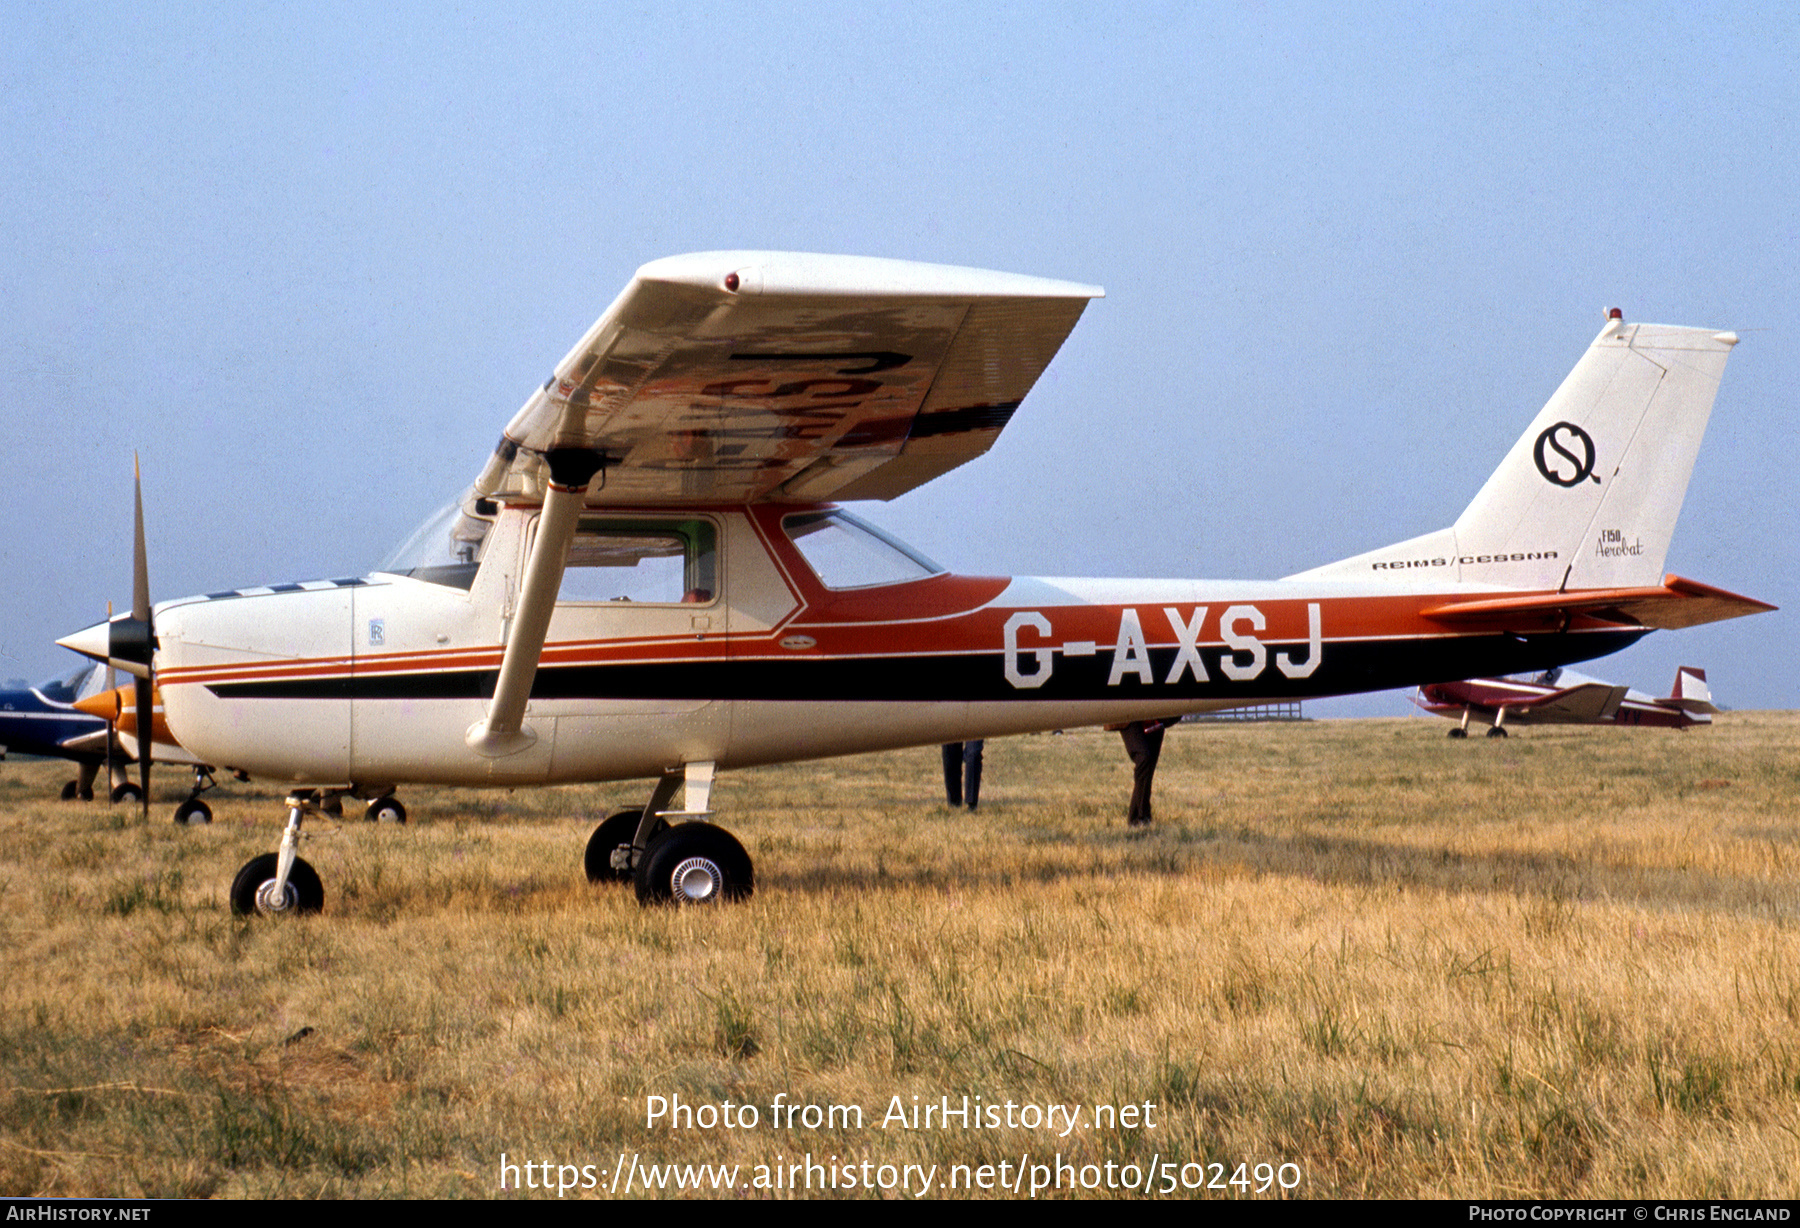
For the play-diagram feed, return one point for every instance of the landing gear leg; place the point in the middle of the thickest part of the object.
(193, 812)
(1499, 729)
(280, 882)
(83, 785)
(618, 844)
(1462, 730)
(652, 822)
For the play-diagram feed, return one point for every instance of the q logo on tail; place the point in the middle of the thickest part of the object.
(1584, 464)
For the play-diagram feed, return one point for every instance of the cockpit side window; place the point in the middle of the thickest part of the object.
(642, 561)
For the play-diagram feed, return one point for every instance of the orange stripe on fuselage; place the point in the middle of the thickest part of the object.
(866, 625)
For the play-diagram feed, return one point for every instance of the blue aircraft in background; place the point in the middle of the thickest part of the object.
(68, 718)
(43, 720)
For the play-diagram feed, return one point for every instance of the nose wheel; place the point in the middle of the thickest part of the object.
(255, 892)
(385, 810)
(193, 813)
(281, 883)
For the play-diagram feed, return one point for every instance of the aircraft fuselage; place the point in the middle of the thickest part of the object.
(375, 681)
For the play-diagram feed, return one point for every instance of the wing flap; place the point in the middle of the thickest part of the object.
(746, 376)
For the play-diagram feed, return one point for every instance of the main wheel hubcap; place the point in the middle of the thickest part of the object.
(268, 903)
(696, 880)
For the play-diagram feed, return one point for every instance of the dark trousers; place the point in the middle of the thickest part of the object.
(1143, 742)
(962, 773)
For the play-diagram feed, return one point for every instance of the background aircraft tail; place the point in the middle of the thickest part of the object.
(1588, 496)
(1691, 694)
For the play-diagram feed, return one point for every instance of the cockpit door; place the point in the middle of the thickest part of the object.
(630, 669)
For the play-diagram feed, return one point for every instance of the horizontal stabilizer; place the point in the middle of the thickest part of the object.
(1678, 603)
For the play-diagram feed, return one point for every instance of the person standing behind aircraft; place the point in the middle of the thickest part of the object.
(962, 773)
(1143, 742)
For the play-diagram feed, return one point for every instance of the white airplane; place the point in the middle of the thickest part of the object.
(647, 580)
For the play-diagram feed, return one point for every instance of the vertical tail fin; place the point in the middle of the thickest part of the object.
(1691, 697)
(1588, 496)
(1691, 686)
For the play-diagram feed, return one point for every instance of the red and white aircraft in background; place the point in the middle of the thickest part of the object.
(1563, 697)
(647, 579)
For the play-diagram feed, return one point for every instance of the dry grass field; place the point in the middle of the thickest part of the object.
(1564, 964)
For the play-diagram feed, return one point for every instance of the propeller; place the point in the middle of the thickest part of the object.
(129, 642)
(112, 695)
(141, 613)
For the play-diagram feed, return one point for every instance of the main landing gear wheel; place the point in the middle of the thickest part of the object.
(126, 793)
(193, 813)
(1497, 732)
(385, 810)
(1457, 733)
(695, 863)
(616, 830)
(253, 890)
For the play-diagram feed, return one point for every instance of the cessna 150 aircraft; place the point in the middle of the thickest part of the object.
(1563, 697)
(647, 578)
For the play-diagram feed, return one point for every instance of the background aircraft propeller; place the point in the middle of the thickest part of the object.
(112, 733)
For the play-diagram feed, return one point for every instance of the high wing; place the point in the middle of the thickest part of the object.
(747, 376)
(773, 376)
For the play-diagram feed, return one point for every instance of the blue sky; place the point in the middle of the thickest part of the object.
(309, 262)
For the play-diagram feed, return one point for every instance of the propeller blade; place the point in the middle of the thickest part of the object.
(145, 716)
(112, 691)
(141, 614)
(140, 567)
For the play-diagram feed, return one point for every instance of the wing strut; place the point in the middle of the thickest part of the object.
(504, 732)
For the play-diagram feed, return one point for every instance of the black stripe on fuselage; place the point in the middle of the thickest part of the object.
(1345, 668)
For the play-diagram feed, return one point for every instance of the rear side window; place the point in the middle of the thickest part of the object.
(845, 552)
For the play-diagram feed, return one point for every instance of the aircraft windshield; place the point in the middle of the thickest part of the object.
(446, 549)
(849, 553)
(68, 689)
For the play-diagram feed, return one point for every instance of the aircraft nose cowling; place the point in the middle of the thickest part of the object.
(248, 678)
